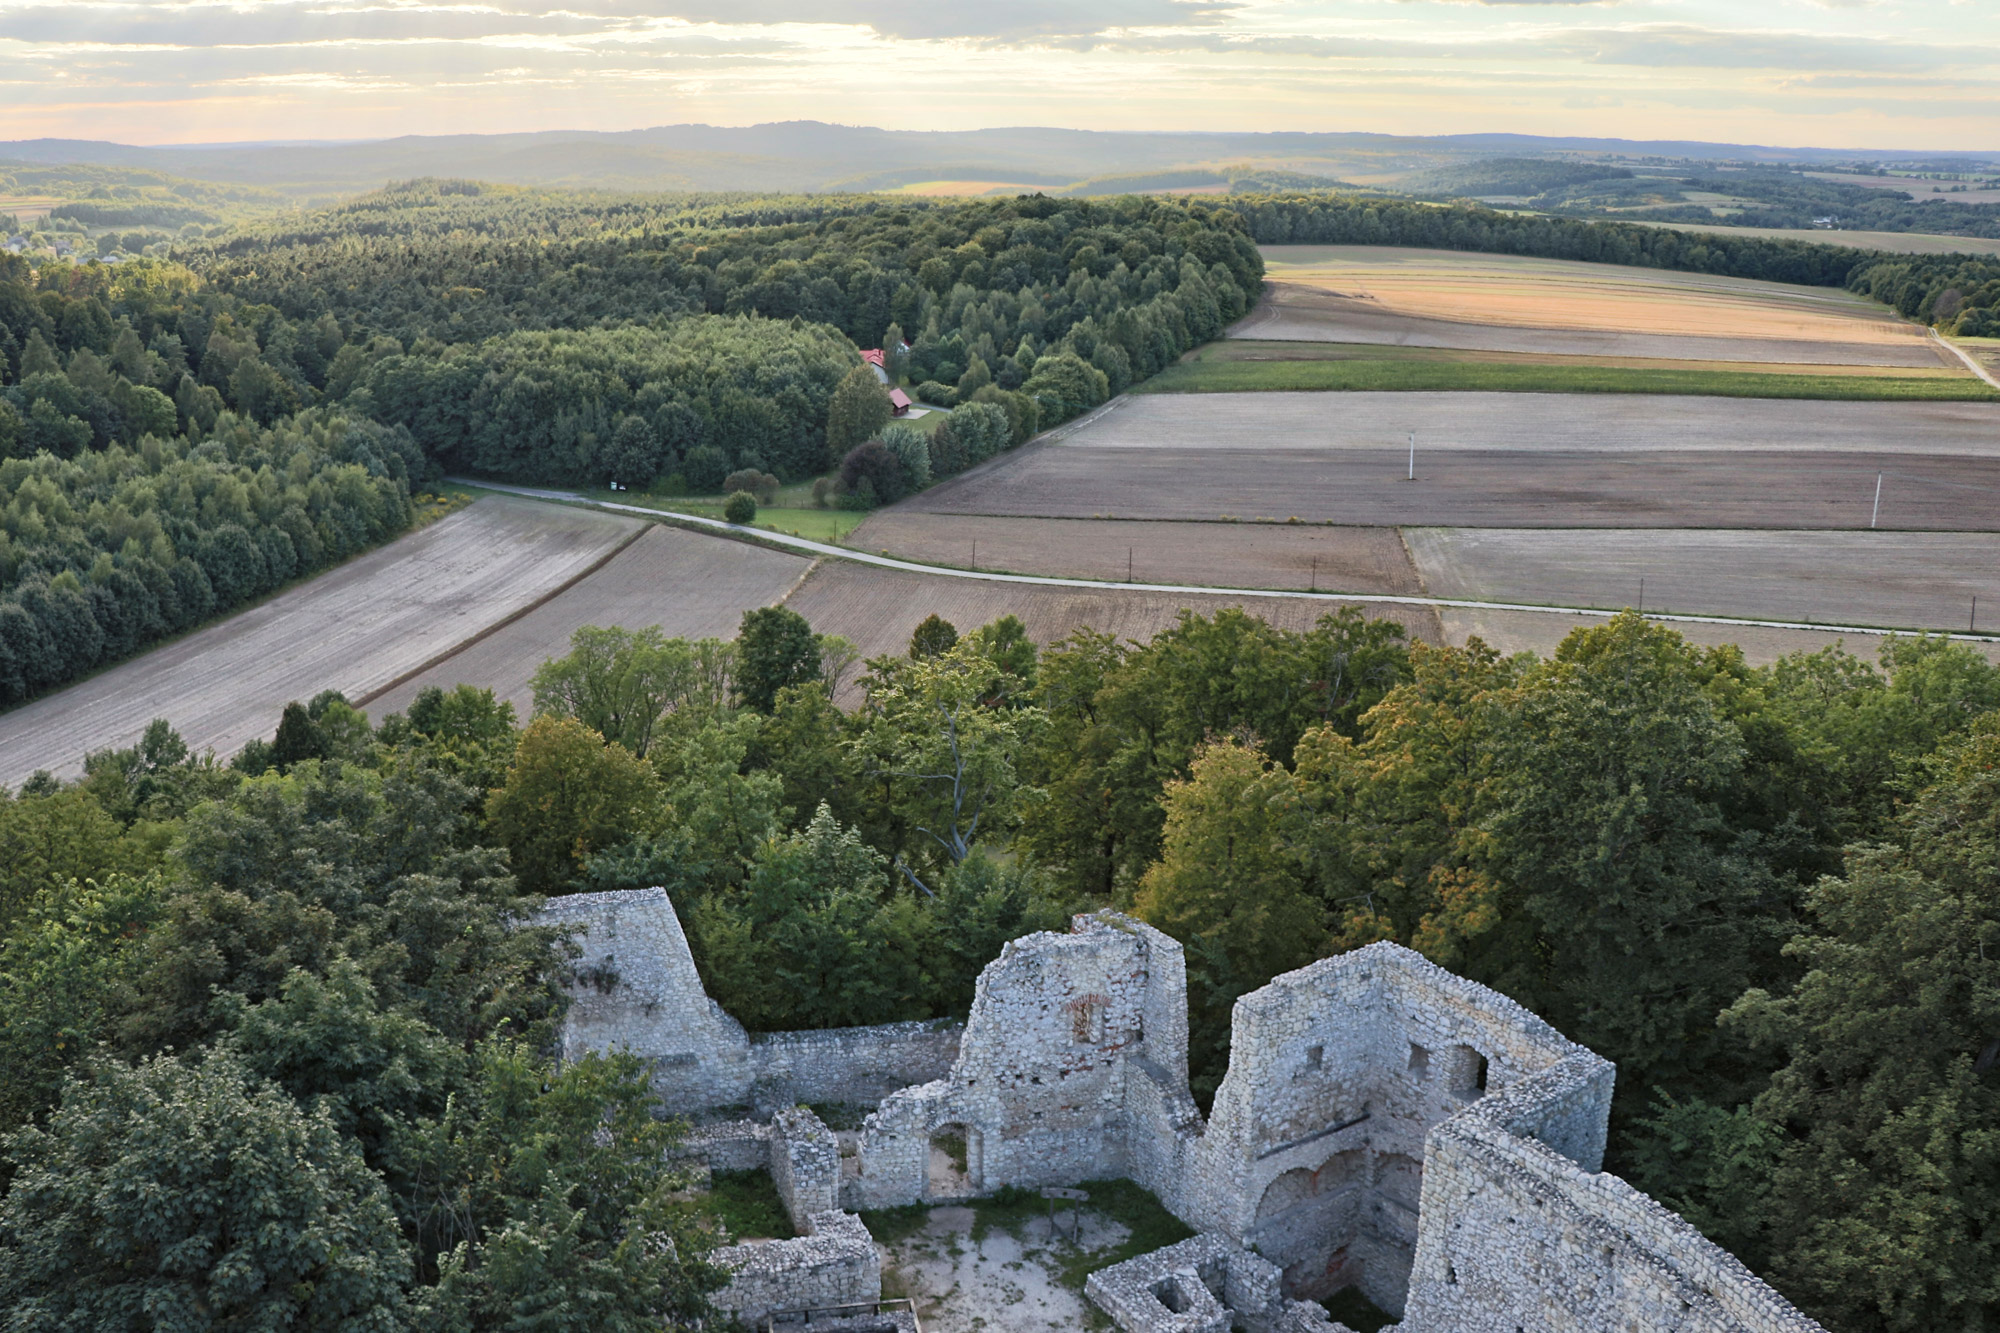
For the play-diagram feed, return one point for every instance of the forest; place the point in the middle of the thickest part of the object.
(184, 437)
(1766, 892)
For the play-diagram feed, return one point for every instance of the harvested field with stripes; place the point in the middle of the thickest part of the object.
(354, 629)
(1429, 298)
(690, 585)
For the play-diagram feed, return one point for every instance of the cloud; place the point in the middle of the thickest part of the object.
(1711, 48)
(985, 21)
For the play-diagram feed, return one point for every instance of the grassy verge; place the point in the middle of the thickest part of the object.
(1445, 377)
(748, 1204)
(797, 518)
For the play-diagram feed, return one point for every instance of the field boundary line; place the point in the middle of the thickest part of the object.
(765, 535)
(1965, 356)
(441, 658)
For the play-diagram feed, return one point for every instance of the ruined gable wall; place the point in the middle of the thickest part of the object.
(638, 990)
(1040, 1083)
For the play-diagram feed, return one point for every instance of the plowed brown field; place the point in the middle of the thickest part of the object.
(1228, 555)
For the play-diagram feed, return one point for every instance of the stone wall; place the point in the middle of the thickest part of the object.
(1518, 1235)
(1338, 1072)
(849, 1066)
(638, 990)
(835, 1265)
(1038, 1091)
(1383, 1124)
(805, 1164)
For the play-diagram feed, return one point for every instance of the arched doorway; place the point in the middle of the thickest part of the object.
(954, 1169)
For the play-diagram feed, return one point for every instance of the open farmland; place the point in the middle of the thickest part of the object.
(355, 629)
(1903, 579)
(1538, 632)
(880, 608)
(1428, 298)
(1229, 555)
(1892, 242)
(692, 586)
(1505, 460)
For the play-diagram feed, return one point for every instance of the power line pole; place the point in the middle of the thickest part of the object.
(1413, 456)
(1876, 512)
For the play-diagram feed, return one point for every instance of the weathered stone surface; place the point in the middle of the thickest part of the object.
(1383, 1124)
(837, 1264)
(638, 991)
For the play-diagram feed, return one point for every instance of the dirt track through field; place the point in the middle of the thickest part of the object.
(880, 608)
(690, 585)
(1242, 555)
(354, 629)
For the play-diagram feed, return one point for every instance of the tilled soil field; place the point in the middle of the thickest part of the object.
(1468, 488)
(1557, 422)
(1903, 580)
(880, 608)
(354, 629)
(690, 585)
(1229, 555)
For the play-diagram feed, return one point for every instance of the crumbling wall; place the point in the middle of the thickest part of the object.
(837, 1264)
(1039, 1086)
(805, 1164)
(637, 989)
(849, 1066)
(1315, 1151)
(1516, 1235)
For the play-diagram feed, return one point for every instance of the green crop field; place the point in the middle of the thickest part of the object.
(1447, 376)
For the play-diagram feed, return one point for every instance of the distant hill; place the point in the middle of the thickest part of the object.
(812, 156)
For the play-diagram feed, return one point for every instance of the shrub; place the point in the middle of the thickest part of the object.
(913, 451)
(947, 452)
(823, 491)
(943, 395)
(873, 466)
(740, 508)
(762, 485)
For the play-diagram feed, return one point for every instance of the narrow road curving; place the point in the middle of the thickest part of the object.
(831, 551)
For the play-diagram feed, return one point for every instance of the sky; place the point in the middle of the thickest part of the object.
(1866, 74)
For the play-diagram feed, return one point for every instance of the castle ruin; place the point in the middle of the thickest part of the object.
(1383, 1124)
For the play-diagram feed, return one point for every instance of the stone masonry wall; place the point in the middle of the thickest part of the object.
(836, 1265)
(805, 1164)
(638, 990)
(1383, 1123)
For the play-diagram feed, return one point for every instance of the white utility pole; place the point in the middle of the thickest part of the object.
(1876, 512)
(1413, 455)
